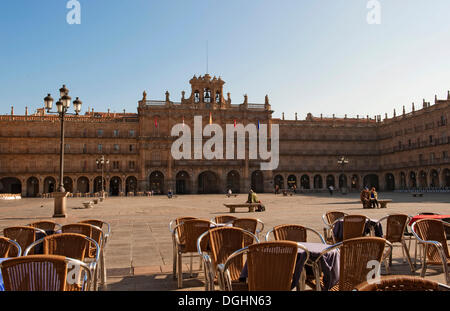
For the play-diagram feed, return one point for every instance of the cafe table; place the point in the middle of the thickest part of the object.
(418, 217)
(329, 264)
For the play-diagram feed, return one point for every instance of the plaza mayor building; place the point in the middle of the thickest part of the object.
(409, 150)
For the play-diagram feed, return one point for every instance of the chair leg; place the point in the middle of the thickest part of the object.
(406, 253)
(103, 271)
(191, 262)
(174, 268)
(180, 270)
(424, 261)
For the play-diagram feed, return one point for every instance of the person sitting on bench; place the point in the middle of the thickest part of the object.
(373, 198)
(252, 198)
(365, 197)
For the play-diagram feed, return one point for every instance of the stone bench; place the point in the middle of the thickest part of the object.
(249, 206)
(383, 203)
(417, 194)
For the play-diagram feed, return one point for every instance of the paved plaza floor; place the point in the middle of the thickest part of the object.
(139, 252)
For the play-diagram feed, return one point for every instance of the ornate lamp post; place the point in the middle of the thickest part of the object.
(62, 107)
(102, 161)
(342, 162)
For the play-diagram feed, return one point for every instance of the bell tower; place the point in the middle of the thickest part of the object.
(207, 92)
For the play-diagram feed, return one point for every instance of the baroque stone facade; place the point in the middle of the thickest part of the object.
(408, 151)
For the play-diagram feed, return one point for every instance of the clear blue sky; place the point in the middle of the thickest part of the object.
(316, 56)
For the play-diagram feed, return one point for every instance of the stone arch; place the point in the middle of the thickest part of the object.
(318, 182)
(434, 178)
(389, 182)
(32, 187)
(412, 180)
(208, 182)
(10, 185)
(50, 185)
(355, 182)
(423, 179)
(233, 181)
(278, 180)
(305, 182)
(257, 181)
(131, 184)
(446, 177)
(156, 180)
(115, 185)
(68, 184)
(342, 181)
(371, 180)
(330, 181)
(182, 183)
(83, 184)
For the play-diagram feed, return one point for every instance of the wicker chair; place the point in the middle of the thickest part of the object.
(71, 245)
(401, 283)
(44, 273)
(431, 234)
(97, 235)
(353, 227)
(5, 248)
(395, 229)
(295, 233)
(24, 235)
(355, 257)
(249, 224)
(46, 225)
(106, 228)
(223, 241)
(328, 219)
(174, 223)
(223, 219)
(418, 244)
(270, 265)
(186, 235)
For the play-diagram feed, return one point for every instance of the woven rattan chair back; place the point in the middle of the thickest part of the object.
(432, 230)
(180, 229)
(353, 226)
(88, 230)
(224, 241)
(294, 233)
(333, 216)
(35, 273)
(271, 265)
(248, 224)
(192, 229)
(354, 257)
(223, 219)
(7, 248)
(71, 245)
(44, 225)
(23, 235)
(395, 227)
(400, 283)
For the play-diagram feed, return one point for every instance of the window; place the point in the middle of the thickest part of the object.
(84, 148)
(217, 97)
(100, 148)
(432, 157)
(116, 148)
(116, 133)
(431, 139)
(409, 142)
(131, 133)
(99, 133)
(131, 148)
(207, 96)
(131, 165)
(196, 97)
(445, 154)
(66, 147)
(115, 165)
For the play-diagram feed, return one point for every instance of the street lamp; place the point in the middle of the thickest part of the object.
(342, 162)
(62, 107)
(102, 161)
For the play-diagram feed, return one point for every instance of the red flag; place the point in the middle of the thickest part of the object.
(156, 122)
(235, 123)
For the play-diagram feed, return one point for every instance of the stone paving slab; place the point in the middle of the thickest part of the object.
(139, 251)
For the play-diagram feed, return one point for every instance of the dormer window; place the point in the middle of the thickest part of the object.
(207, 96)
(196, 97)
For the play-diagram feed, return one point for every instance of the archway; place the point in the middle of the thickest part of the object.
(98, 185)
(83, 185)
(278, 181)
(208, 182)
(342, 181)
(390, 182)
(412, 180)
(49, 185)
(292, 182)
(355, 182)
(32, 187)
(446, 175)
(371, 180)
(318, 183)
(131, 184)
(182, 185)
(10, 185)
(434, 178)
(423, 179)
(233, 181)
(330, 181)
(68, 184)
(257, 181)
(115, 185)
(157, 182)
(304, 182)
